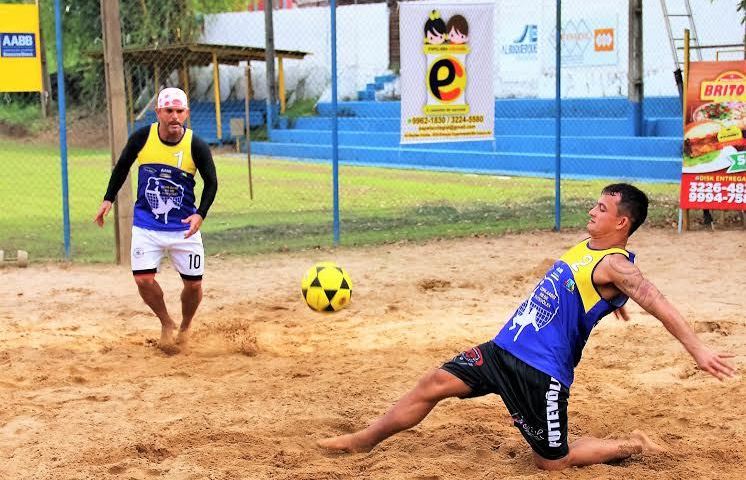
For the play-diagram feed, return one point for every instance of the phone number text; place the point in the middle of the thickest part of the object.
(717, 192)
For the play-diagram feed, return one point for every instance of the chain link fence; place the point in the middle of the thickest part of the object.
(276, 189)
(31, 193)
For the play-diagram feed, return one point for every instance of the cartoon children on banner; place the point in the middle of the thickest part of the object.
(446, 49)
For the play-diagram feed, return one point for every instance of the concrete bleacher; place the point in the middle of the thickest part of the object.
(202, 118)
(597, 139)
(378, 84)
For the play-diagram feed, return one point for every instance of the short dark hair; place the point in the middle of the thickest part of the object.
(435, 24)
(633, 203)
(459, 23)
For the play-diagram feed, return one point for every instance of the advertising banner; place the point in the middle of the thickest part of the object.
(446, 72)
(588, 39)
(518, 45)
(20, 59)
(713, 174)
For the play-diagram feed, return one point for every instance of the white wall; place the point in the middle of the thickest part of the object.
(362, 46)
(716, 22)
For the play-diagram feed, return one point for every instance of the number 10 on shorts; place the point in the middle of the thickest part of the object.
(194, 261)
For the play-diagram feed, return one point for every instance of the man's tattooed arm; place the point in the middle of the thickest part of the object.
(625, 275)
(629, 279)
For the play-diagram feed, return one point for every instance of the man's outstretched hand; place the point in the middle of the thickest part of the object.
(102, 212)
(195, 221)
(715, 363)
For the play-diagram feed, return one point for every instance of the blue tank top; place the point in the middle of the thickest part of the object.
(549, 330)
(165, 183)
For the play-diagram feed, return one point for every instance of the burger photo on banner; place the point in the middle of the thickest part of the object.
(714, 154)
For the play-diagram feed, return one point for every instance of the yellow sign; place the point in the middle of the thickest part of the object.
(729, 134)
(20, 49)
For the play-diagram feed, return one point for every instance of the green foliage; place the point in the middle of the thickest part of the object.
(741, 8)
(301, 108)
(22, 115)
(143, 22)
(259, 134)
(148, 22)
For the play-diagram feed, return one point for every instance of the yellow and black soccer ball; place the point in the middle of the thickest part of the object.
(326, 287)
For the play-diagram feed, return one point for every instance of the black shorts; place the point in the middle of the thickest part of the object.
(536, 401)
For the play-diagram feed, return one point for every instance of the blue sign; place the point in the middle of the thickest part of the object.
(19, 45)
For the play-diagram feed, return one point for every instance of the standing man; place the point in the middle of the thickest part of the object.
(165, 217)
(530, 362)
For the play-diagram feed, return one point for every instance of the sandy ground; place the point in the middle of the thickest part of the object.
(84, 393)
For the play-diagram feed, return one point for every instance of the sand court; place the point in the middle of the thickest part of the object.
(85, 392)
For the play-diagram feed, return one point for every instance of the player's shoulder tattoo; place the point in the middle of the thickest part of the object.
(628, 278)
(621, 265)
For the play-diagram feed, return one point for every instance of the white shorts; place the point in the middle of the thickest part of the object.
(150, 246)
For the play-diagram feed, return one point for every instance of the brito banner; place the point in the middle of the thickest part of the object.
(714, 165)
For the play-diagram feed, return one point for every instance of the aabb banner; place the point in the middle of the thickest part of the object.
(446, 72)
(20, 59)
(714, 168)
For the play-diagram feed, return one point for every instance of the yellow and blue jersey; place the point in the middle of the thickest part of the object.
(165, 183)
(550, 329)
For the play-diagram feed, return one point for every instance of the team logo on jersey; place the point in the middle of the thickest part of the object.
(538, 310)
(569, 285)
(163, 196)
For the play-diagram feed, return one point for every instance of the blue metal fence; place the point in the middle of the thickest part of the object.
(353, 120)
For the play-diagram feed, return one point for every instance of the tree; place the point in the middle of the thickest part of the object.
(741, 8)
(144, 22)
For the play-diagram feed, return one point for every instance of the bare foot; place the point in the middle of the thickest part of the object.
(167, 339)
(169, 348)
(182, 338)
(648, 446)
(344, 443)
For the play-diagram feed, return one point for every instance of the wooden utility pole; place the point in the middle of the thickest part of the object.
(269, 35)
(635, 85)
(248, 126)
(394, 54)
(116, 99)
(44, 95)
(684, 214)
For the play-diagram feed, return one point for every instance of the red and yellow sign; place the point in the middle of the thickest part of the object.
(714, 167)
(728, 86)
